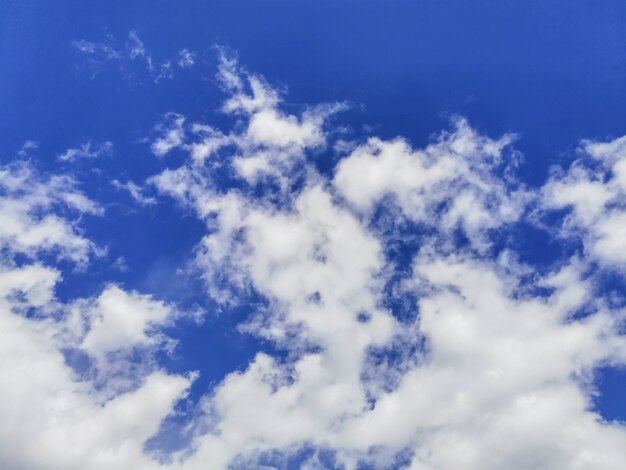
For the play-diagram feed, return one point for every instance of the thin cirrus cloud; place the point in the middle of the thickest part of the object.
(135, 191)
(492, 346)
(131, 53)
(87, 149)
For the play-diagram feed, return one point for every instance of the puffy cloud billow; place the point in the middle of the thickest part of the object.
(488, 363)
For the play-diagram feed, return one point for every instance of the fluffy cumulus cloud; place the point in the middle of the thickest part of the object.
(271, 142)
(56, 412)
(593, 190)
(489, 364)
(30, 221)
(451, 184)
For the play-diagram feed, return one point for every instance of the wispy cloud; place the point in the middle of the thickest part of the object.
(27, 147)
(135, 46)
(25, 197)
(135, 191)
(171, 134)
(186, 58)
(88, 149)
(129, 53)
(96, 50)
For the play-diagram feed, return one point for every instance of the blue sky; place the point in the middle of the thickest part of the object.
(328, 234)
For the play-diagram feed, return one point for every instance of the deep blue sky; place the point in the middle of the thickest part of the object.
(553, 72)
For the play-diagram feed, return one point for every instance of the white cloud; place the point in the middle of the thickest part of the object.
(211, 141)
(88, 149)
(119, 319)
(270, 127)
(594, 190)
(135, 191)
(449, 184)
(172, 134)
(120, 264)
(96, 51)
(129, 55)
(493, 351)
(27, 228)
(135, 46)
(27, 147)
(496, 365)
(494, 369)
(186, 58)
(272, 142)
(106, 413)
(164, 71)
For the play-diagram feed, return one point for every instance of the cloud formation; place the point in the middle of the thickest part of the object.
(491, 356)
(31, 223)
(490, 364)
(72, 386)
(593, 189)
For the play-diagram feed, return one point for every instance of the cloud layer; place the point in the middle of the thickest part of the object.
(407, 330)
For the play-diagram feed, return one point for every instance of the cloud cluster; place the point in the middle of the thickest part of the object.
(30, 222)
(79, 382)
(593, 189)
(495, 351)
(451, 184)
(494, 369)
(270, 142)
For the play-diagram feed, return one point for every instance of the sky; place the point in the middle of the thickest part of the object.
(312, 234)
